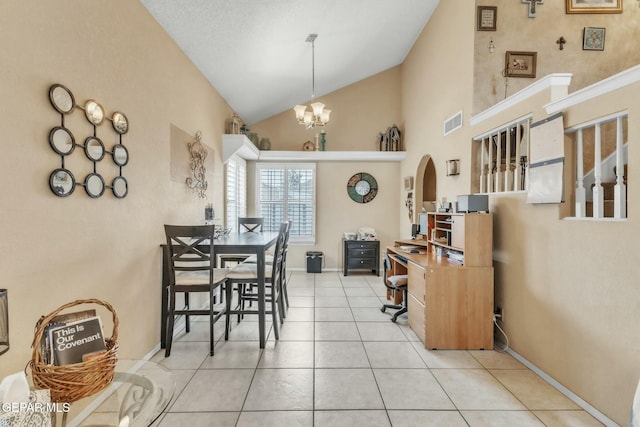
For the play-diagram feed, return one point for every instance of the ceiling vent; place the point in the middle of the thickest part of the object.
(453, 123)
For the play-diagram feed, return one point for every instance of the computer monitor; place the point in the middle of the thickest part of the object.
(423, 226)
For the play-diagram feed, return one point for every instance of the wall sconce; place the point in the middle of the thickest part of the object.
(492, 46)
(4, 321)
(453, 167)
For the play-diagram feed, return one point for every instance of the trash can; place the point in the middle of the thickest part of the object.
(314, 262)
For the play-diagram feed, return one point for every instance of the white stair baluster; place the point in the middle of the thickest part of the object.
(581, 198)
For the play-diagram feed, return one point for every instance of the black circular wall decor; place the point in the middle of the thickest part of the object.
(362, 187)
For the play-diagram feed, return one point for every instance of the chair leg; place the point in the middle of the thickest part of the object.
(187, 327)
(212, 299)
(227, 318)
(170, 323)
(274, 310)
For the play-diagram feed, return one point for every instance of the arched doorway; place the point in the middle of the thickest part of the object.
(425, 190)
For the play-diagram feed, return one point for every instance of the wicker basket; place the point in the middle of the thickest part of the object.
(69, 383)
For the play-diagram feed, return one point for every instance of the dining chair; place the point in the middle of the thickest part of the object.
(245, 225)
(247, 274)
(191, 264)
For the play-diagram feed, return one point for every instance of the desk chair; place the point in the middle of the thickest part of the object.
(395, 283)
(247, 273)
(191, 269)
(245, 225)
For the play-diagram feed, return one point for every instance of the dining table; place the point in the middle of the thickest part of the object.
(249, 243)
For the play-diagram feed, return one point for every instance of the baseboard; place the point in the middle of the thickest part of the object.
(562, 389)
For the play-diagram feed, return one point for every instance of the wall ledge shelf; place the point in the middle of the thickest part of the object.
(243, 147)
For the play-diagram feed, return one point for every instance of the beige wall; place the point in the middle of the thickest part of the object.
(516, 32)
(55, 249)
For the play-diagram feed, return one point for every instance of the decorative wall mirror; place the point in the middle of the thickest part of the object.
(94, 112)
(120, 187)
(62, 182)
(94, 185)
(120, 155)
(120, 123)
(61, 98)
(62, 140)
(94, 148)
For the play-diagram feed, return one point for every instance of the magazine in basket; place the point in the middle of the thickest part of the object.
(60, 320)
(77, 341)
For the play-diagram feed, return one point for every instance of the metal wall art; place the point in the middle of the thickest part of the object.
(198, 153)
(61, 181)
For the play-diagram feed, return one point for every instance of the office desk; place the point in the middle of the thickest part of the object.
(235, 243)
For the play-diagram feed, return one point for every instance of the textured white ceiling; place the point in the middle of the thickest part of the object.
(254, 51)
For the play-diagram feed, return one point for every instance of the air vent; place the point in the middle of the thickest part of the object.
(453, 123)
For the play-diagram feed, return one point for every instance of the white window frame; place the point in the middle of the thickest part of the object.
(235, 191)
(293, 237)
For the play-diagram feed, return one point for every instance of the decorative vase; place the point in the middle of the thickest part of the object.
(265, 144)
(253, 137)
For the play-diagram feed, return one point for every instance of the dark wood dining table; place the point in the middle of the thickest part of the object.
(234, 243)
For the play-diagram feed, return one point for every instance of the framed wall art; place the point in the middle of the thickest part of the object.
(593, 38)
(594, 6)
(486, 18)
(520, 64)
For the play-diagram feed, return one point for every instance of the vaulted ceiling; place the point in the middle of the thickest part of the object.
(254, 51)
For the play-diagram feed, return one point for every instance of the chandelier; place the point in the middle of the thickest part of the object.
(318, 116)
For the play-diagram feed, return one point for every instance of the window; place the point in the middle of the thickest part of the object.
(287, 191)
(236, 191)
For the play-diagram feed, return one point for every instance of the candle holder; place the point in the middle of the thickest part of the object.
(4, 321)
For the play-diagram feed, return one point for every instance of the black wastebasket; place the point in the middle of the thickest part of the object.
(314, 262)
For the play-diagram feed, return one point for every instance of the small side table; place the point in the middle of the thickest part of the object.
(361, 255)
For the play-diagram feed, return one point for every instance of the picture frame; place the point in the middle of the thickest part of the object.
(594, 6)
(593, 38)
(453, 167)
(486, 17)
(408, 183)
(520, 64)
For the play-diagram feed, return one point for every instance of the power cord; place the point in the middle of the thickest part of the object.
(501, 349)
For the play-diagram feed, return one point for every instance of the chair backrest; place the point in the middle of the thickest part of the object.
(279, 252)
(189, 248)
(386, 261)
(250, 224)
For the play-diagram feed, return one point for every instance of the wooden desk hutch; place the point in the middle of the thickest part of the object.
(450, 302)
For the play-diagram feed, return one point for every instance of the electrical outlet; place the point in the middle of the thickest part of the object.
(498, 314)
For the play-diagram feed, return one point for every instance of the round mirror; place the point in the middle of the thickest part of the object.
(61, 98)
(62, 140)
(62, 182)
(94, 148)
(120, 155)
(94, 112)
(120, 123)
(94, 185)
(120, 187)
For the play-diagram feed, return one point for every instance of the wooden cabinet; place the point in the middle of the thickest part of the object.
(361, 254)
(450, 302)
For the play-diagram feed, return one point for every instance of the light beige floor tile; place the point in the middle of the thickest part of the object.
(301, 301)
(234, 355)
(276, 419)
(342, 354)
(359, 292)
(379, 331)
(407, 331)
(247, 330)
(301, 291)
(501, 419)
(199, 331)
(369, 418)
(446, 359)
(181, 378)
(373, 302)
(490, 359)
(577, 418)
(300, 314)
(199, 419)
(476, 389)
(281, 390)
(214, 390)
(295, 331)
(331, 301)
(287, 354)
(333, 314)
(330, 292)
(184, 355)
(336, 331)
(346, 389)
(411, 389)
(356, 284)
(427, 419)
(532, 390)
(399, 355)
(367, 314)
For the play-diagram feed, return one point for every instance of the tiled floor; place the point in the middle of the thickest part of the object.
(341, 362)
